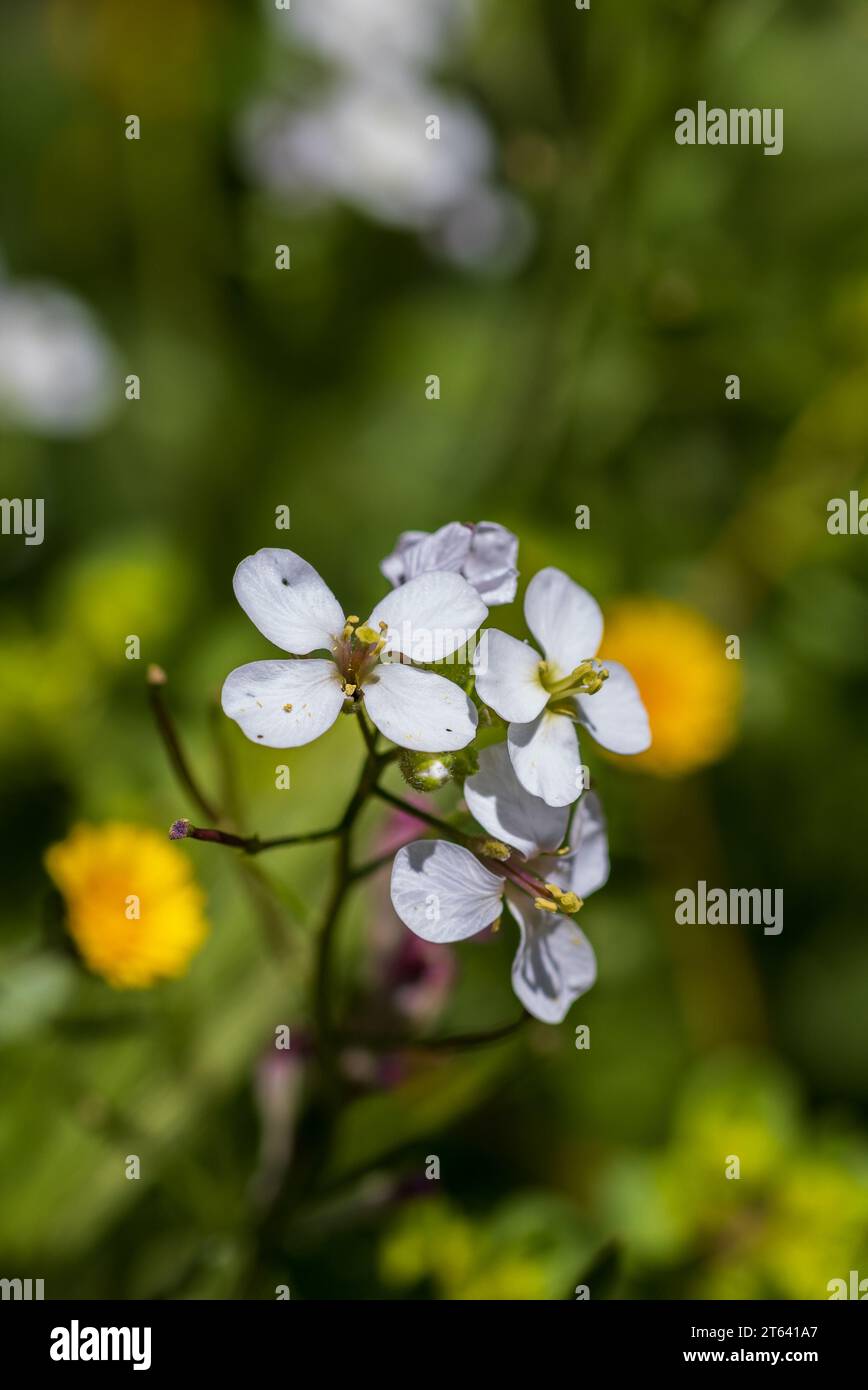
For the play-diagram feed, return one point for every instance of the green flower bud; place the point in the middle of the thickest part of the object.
(426, 772)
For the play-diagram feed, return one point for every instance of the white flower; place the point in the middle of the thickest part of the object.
(543, 697)
(485, 554)
(444, 892)
(56, 365)
(283, 704)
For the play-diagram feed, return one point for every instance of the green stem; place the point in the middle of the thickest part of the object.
(384, 1043)
(343, 879)
(250, 844)
(371, 867)
(172, 743)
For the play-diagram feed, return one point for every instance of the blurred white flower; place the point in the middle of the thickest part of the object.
(56, 364)
(363, 140)
(372, 36)
(491, 231)
(366, 146)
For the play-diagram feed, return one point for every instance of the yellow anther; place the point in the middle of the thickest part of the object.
(570, 903)
(564, 849)
(594, 681)
(349, 625)
(377, 640)
(495, 849)
(495, 926)
(288, 709)
(349, 690)
(545, 904)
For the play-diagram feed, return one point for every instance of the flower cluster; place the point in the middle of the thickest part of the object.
(427, 674)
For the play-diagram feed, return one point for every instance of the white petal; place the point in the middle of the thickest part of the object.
(442, 892)
(256, 696)
(289, 603)
(394, 567)
(615, 715)
(430, 616)
(564, 618)
(586, 868)
(507, 676)
(545, 755)
(417, 552)
(491, 563)
(507, 811)
(418, 709)
(554, 964)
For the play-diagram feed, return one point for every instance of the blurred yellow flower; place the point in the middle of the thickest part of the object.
(134, 908)
(691, 689)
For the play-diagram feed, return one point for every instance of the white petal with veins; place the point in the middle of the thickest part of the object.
(616, 715)
(545, 755)
(418, 709)
(508, 676)
(442, 892)
(554, 964)
(586, 868)
(503, 807)
(430, 617)
(289, 603)
(564, 618)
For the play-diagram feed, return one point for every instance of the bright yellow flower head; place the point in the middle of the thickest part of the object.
(691, 689)
(134, 909)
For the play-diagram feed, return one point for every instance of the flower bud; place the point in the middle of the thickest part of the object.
(426, 772)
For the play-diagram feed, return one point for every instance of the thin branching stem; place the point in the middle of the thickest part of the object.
(172, 743)
(416, 811)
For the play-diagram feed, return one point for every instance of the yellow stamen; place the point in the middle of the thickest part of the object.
(545, 904)
(367, 635)
(568, 902)
(586, 679)
(288, 709)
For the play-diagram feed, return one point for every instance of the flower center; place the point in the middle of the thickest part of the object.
(586, 679)
(357, 652)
